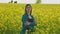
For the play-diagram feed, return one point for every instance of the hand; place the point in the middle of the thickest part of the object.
(27, 23)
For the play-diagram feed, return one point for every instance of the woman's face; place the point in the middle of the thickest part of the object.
(28, 9)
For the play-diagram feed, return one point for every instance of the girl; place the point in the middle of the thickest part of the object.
(28, 20)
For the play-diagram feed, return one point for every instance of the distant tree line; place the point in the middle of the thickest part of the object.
(38, 1)
(13, 1)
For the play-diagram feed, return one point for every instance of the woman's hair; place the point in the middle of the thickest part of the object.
(26, 7)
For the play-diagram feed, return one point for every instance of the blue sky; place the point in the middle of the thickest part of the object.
(33, 1)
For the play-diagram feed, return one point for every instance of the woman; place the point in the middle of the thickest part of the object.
(28, 20)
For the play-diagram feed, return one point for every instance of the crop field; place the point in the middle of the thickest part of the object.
(47, 18)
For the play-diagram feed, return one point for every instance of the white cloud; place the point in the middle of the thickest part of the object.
(50, 1)
(33, 1)
(19, 1)
(4, 1)
(27, 1)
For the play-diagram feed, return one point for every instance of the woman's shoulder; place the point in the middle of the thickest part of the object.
(24, 15)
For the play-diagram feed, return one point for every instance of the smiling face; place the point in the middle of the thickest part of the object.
(28, 9)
